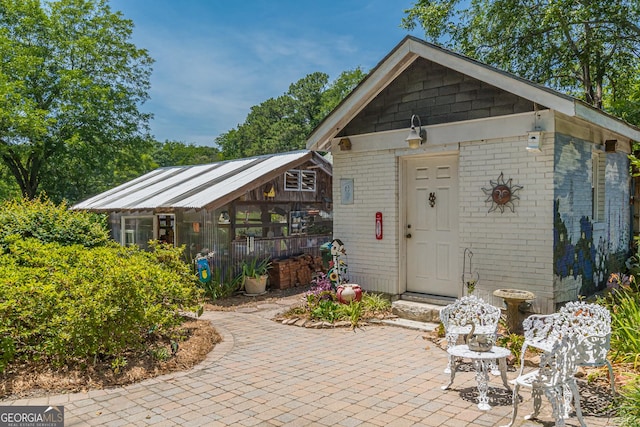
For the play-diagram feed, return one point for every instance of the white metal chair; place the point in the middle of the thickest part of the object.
(592, 323)
(458, 317)
(540, 331)
(556, 371)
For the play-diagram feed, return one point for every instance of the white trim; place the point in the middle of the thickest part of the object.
(411, 48)
(447, 136)
(596, 117)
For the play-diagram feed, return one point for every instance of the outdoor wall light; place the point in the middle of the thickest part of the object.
(416, 138)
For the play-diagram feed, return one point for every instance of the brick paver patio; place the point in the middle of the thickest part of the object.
(268, 374)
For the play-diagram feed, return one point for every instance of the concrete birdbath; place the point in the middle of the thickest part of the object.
(513, 298)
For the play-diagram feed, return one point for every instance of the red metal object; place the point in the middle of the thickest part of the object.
(379, 225)
(348, 292)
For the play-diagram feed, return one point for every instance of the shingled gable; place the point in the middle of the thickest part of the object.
(444, 87)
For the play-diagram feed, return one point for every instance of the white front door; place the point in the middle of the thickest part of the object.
(431, 228)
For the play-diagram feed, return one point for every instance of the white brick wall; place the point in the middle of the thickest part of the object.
(510, 249)
(372, 263)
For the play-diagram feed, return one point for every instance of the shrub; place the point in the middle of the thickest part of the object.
(375, 303)
(42, 220)
(66, 304)
(623, 303)
(218, 287)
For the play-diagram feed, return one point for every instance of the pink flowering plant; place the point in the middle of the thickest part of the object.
(321, 289)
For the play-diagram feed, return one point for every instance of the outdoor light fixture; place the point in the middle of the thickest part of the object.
(416, 138)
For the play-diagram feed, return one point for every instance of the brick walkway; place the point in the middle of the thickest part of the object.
(268, 374)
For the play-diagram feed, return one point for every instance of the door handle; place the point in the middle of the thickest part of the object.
(408, 236)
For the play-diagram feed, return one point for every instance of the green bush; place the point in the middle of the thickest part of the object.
(623, 302)
(47, 222)
(70, 304)
(218, 287)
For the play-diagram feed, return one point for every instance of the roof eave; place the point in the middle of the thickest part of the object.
(411, 48)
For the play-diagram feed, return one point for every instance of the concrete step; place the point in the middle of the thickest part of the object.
(417, 311)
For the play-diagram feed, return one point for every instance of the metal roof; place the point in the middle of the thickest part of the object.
(196, 187)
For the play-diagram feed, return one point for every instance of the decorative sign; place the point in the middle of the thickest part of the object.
(346, 191)
(502, 194)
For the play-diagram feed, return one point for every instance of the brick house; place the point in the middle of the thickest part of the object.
(528, 185)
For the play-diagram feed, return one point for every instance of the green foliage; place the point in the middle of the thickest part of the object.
(513, 342)
(256, 267)
(218, 288)
(375, 302)
(624, 305)
(47, 222)
(174, 153)
(72, 304)
(323, 306)
(71, 84)
(284, 123)
(587, 48)
(161, 353)
(326, 310)
(629, 406)
(352, 311)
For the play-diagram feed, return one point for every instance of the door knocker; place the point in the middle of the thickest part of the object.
(432, 199)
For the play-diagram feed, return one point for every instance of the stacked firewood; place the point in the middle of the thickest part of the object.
(294, 271)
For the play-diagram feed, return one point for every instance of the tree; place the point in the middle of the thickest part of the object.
(175, 153)
(587, 48)
(284, 123)
(339, 89)
(71, 84)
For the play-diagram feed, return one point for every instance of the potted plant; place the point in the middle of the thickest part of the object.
(254, 274)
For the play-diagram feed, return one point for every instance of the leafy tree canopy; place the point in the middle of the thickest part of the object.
(71, 84)
(284, 123)
(588, 48)
(175, 153)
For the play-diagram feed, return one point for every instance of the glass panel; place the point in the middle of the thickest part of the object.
(137, 231)
(265, 220)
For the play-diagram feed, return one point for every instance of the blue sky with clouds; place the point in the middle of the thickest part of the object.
(215, 59)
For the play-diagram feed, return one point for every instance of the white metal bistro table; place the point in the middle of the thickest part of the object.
(481, 362)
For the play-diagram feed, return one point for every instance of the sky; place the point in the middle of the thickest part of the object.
(215, 59)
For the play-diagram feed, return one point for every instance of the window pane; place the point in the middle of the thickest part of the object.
(138, 231)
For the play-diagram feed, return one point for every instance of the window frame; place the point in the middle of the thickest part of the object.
(305, 180)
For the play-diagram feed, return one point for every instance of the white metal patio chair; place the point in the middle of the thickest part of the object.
(541, 332)
(458, 317)
(555, 373)
(592, 323)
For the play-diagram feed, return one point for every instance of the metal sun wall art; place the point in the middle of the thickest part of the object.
(502, 194)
